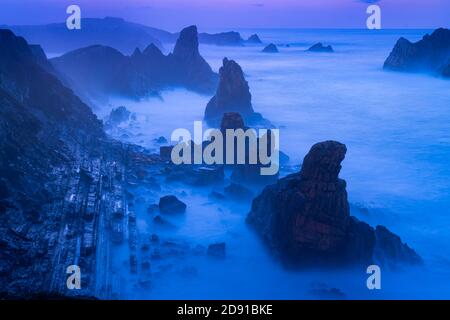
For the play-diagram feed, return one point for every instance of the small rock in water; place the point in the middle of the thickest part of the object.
(161, 140)
(323, 291)
(171, 204)
(217, 250)
(319, 47)
(238, 191)
(271, 48)
(254, 38)
(154, 238)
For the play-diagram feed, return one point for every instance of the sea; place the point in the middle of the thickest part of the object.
(396, 127)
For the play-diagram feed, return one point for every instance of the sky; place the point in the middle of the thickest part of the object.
(222, 14)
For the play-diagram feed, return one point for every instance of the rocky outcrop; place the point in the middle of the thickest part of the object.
(53, 153)
(118, 116)
(189, 67)
(230, 38)
(254, 39)
(101, 70)
(231, 120)
(232, 95)
(271, 48)
(171, 204)
(430, 54)
(305, 218)
(446, 71)
(319, 47)
(217, 250)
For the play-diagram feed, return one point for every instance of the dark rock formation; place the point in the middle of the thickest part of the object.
(195, 175)
(57, 169)
(254, 39)
(231, 120)
(323, 291)
(191, 69)
(232, 95)
(101, 70)
(217, 250)
(390, 248)
(271, 48)
(319, 47)
(237, 191)
(245, 173)
(305, 217)
(171, 204)
(119, 115)
(230, 38)
(446, 71)
(431, 54)
(114, 32)
(161, 140)
(165, 152)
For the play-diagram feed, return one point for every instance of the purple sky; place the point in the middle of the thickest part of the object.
(225, 14)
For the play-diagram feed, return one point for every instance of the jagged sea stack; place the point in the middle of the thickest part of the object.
(305, 218)
(189, 66)
(232, 95)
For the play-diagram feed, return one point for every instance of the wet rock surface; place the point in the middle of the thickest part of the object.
(65, 181)
(305, 217)
(431, 53)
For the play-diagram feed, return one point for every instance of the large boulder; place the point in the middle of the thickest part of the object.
(431, 53)
(171, 204)
(305, 217)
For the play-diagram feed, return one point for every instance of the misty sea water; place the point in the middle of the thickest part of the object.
(396, 127)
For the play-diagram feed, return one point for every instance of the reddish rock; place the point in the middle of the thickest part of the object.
(305, 218)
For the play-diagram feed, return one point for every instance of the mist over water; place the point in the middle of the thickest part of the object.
(395, 127)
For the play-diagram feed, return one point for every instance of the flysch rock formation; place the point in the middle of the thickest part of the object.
(305, 219)
(63, 197)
